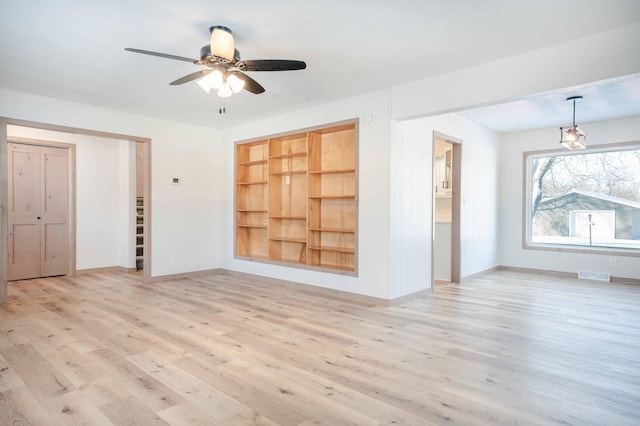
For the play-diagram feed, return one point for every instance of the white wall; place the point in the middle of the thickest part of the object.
(411, 207)
(373, 176)
(412, 202)
(185, 218)
(512, 147)
(98, 228)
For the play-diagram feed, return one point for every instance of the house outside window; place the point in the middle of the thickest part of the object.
(585, 200)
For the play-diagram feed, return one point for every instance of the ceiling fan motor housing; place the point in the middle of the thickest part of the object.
(205, 54)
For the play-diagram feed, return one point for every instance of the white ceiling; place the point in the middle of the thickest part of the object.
(602, 100)
(74, 49)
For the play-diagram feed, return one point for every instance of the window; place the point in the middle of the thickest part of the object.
(585, 200)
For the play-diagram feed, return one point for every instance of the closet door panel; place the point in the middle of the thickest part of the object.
(55, 211)
(24, 211)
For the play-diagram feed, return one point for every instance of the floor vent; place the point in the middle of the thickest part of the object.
(594, 276)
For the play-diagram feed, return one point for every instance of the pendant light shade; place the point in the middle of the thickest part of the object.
(222, 45)
(572, 137)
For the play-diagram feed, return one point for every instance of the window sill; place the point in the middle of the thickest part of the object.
(565, 248)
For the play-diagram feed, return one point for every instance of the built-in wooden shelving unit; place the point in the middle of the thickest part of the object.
(296, 198)
(139, 233)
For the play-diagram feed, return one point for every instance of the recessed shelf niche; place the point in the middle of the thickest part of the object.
(296, 198)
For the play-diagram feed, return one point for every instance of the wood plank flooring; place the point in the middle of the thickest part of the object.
(506, 348)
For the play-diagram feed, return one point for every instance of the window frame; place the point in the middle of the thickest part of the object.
(527, 244)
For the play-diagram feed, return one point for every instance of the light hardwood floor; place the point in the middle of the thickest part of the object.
(507, 348)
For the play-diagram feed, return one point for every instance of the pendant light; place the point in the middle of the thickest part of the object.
(572, 137)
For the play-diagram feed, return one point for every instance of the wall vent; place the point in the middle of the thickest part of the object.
(594, 276)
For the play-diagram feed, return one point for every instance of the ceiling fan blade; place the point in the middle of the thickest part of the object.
(193, 76)
(162, 55)
(271, 65)
(250, 85)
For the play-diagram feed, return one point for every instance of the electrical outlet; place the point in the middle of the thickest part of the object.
(172, 261)
(612, 262)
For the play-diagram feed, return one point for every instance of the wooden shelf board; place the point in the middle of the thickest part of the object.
(252, 163)
(250, 211)
(335, 249)
(252, 183)
(329, 197)
(289, 240)
(251, 226)
(337, 230)
(289, 217)
(292, 172)
(291, 155)
(327, 172)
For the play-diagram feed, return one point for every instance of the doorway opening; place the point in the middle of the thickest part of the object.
(122, 141)
(445, 248)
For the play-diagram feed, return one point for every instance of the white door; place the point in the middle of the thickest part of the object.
(38, 211)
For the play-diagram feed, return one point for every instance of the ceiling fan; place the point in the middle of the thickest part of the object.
(226, 72)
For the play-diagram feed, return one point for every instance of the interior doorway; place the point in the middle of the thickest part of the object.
(446, 196)
(5, 124)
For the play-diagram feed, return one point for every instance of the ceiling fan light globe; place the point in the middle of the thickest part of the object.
(222, 44)
(236, 84)
(215, 79)
(225, 91)
(204, 84)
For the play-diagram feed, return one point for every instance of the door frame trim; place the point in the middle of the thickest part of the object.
(4, 123)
